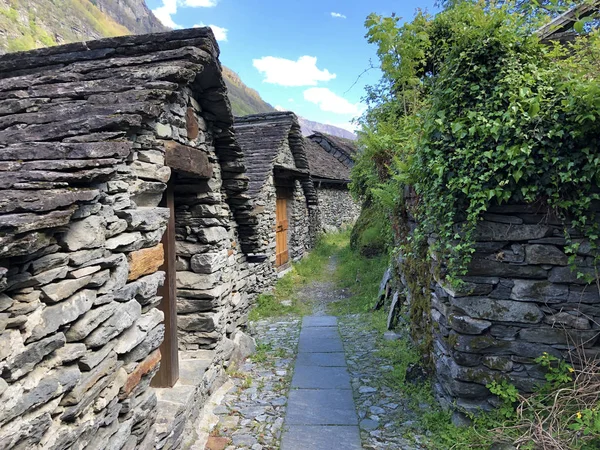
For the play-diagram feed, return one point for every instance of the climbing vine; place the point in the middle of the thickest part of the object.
(473, 111)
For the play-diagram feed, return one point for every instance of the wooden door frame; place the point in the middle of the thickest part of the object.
(168, 373)
(286, 194)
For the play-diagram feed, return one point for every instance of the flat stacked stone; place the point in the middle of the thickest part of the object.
(90, 135)
(519, 299)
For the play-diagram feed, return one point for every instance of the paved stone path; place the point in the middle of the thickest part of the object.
(320, 410)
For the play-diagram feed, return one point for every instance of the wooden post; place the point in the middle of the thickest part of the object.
(168, 373)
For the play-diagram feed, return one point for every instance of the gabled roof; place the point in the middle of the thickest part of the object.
(561, 27)
(342, 149)
(100, 91)
(262, 137)
(324, 165)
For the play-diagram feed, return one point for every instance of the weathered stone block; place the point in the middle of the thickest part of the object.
(208, 263)
(86, 233)
(142, 369)
(568, 276)
(63, 289)
(498, 310)
(545, 254)
(90, 321)
(145, 261)
(539, 291)
(484, 267)
(556, 335)
(187, 159)
(145, 219)
(494, 231)
(468, 325)
(52, 317)
(123, 318)
(147, 171)
(568, 320)
(198, 322)
(32, 354)
(191, 280)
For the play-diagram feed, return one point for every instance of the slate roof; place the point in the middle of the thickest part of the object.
(338, 158)
(324, 165)
(261, 137)
(99, 91)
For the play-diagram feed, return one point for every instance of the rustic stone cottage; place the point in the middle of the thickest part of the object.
(285, 200)
(330, 159)
(123, 218)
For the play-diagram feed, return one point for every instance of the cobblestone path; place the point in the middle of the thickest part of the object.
(314, 384)
(320, 408)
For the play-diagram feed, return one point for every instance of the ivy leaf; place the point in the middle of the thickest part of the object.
(534, 109)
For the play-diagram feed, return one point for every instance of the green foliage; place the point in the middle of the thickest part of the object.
(360, 276)
(371, 234)
(559, 372)
(473, 111)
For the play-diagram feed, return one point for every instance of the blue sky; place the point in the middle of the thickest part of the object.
(301, 55)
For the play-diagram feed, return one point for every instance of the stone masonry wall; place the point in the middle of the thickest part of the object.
(337, 207)
(90, 134)
(300, 236)
(520, 299)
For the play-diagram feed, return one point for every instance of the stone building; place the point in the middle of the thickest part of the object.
(330, 159)
(285, 199)
(123, 218)
(519, 299)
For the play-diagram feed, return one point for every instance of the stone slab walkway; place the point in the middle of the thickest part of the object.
(320, 413)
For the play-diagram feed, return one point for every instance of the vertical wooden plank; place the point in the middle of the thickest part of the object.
(168, 373)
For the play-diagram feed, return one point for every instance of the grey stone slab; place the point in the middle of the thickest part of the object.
(319, 345)
(320, 332)
(321, 407)
(313, 377)
(319, 321)
(320, 437)
(321, 359)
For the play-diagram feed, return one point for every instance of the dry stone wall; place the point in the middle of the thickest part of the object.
(90, 135)
(338, 208)
(520, 299)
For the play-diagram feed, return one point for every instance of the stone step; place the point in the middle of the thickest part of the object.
(180, 405)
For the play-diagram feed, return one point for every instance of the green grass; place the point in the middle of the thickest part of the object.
(361, 276)
(310, 268)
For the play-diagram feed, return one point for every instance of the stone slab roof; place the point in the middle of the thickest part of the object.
(262, 137)
(344, 150)
(66, 112)
(324, 165)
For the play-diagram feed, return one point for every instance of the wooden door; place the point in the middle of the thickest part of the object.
(168, 373)
(281, 244)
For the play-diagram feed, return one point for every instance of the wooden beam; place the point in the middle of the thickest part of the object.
(168, 374)
(187, 159)
(566, 20)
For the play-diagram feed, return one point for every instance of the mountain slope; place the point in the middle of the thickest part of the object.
(244, 100)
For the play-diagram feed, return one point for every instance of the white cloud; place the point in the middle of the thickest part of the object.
(164, 13)
(220, 32)
(200, 3)
(286, 72)
(280, 108)
(331, 102)
(338, 15)
(169, 8)
(291, 100)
